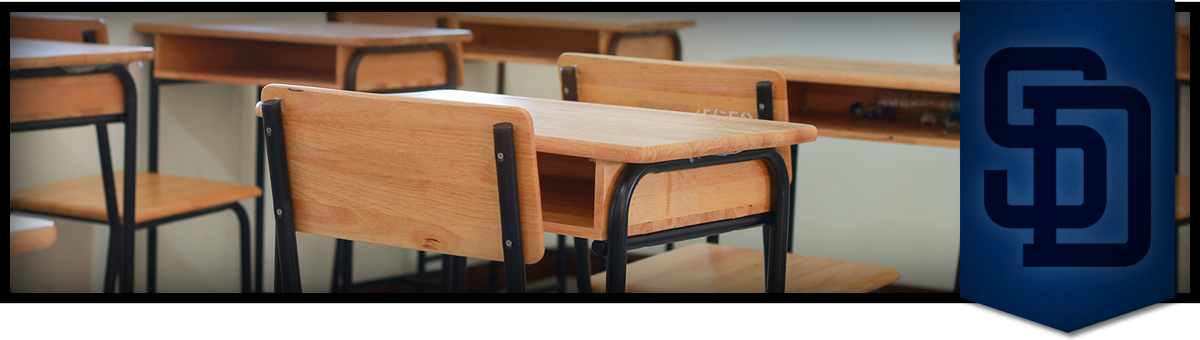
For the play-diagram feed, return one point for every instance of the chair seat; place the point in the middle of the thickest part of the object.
(714, 268)
(158, 196)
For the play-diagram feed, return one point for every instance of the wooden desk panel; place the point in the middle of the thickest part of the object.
(66, 96)
(542, 37)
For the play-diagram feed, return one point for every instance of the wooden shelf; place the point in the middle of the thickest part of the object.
(845, 125)
(244, 61)
(254, 76)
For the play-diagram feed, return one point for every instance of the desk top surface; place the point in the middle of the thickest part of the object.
(34, 53)
(321, 33)
(625, 22)
(856, 72)
(635, 135)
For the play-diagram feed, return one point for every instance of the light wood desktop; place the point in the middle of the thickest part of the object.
(821, 91)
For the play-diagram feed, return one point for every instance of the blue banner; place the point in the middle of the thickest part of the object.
(1068, 155)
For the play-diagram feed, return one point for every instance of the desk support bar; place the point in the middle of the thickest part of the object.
(774, 234)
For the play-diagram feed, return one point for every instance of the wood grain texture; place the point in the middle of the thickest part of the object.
(700, 88)
(865, 73)
(319, 33)
(158, 196)
(635, 135)
(405, 172)
(712, 268)
(33, 54)
(60, 27)
(411, 19)
(27, 234)
(49, 98)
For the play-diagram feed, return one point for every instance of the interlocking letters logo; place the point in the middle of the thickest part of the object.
(1045, 217)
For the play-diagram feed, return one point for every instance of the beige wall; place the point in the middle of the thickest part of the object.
(887, 204)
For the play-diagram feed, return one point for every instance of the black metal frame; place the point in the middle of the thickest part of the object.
(454, 267)
(774, 235)
(712, 230)
(121, 244)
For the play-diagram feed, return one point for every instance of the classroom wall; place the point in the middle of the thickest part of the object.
(888, 204)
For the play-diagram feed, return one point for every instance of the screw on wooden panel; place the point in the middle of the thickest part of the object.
(508, 243)
(279, 211)
(761, 106)
(566, 90)
(500, 155)
(268, 131)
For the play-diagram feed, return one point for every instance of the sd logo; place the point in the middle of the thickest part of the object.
(1045, 217)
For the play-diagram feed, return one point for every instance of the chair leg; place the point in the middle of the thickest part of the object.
(244, 237)
(583, 264)
(113, 264)
(151, 258)
(335, 282)
(347, 267)
(560, 278)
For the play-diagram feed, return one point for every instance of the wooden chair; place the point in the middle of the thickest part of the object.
(159, 198)
(451, 178)
(702, 88)
(342, 259)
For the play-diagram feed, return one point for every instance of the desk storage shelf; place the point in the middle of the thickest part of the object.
(822, 90)
(541, 37)
(312, 54)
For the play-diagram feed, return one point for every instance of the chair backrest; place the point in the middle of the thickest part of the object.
(70, 28)
(415, 19)
(404, 172)
(703, 88)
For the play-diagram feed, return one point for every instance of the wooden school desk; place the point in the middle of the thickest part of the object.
(36, 101)
(539, 38)
(350, 56)
(821, 91)
(586, 152)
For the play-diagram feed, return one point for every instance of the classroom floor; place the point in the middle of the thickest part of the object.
(539, 275)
